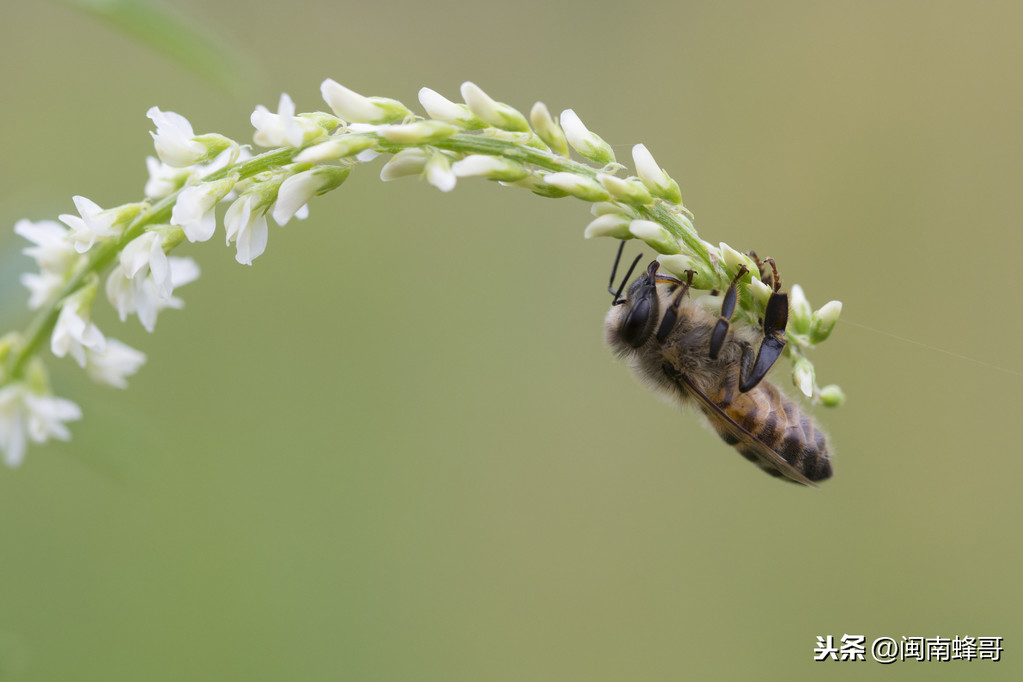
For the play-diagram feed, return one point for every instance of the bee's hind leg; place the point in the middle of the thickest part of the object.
(776, 316)
(717, 337)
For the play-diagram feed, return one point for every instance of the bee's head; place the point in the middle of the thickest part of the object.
(632, 318)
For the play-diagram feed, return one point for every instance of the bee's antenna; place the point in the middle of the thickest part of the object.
(618, 300)
(614, 271)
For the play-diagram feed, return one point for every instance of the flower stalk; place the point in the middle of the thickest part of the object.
(124, 251)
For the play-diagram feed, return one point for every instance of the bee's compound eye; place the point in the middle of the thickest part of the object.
(636, 327)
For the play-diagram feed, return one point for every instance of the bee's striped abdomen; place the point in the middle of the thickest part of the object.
(774, 420)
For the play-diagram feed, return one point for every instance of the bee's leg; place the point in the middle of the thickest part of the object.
(717, 337)
(776, 315)
(671, 314)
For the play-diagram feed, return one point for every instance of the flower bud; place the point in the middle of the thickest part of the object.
(628, 191)
(588, 144)
(405, 162)
(419, 132)
(441, 108)
(823, 321)
(351, 106)
(803, 376)
(547, 129)
(677, 264)
(800, 312)
(761, 292)
(609, 225)
(296, 190)
(653, 176)
(491, 167)
(577, 186)
(735, 260)
(655, 235)
(337, 147)
(535, 183)
(491, 112)
(832, 396)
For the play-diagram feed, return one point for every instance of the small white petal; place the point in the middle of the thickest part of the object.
(115, 364)
(173, 139)
(247, 228)
(405, 162)
(294, 193)
(438, 173)
(283, 128)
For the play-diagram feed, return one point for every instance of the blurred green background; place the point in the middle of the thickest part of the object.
(396, 447)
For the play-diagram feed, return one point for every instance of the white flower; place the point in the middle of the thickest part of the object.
(245, 221)
(163, 179)
(141, 296)
(38, 417)
(195, 209)
(587, 143)
(174, 139)
(298, 189)
(12, 423)
(113, 365)
(145, 255)
(351, 106)
(94, 224)
(282, 129)
(438, 172)
(74, 331)
(42, 287)
(52, 251)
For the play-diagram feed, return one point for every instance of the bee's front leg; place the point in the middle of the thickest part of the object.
(776, 316)
(671, 314)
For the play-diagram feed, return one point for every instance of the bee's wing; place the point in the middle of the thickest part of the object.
(768, 457)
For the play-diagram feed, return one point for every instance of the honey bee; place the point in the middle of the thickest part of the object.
(685, 352)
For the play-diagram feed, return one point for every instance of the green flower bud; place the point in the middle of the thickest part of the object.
(351, 106)
(628, 191)
(678, 264)
(419, 132)
(823, 321)
(803, 376)
(832, 396)
(491, 112)
(588, 144)
(800, 312)
(655, 235)
(735, 260)
(548, 130)
(337, 147)
(577, 186)
(654, 177)
(609, 225)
